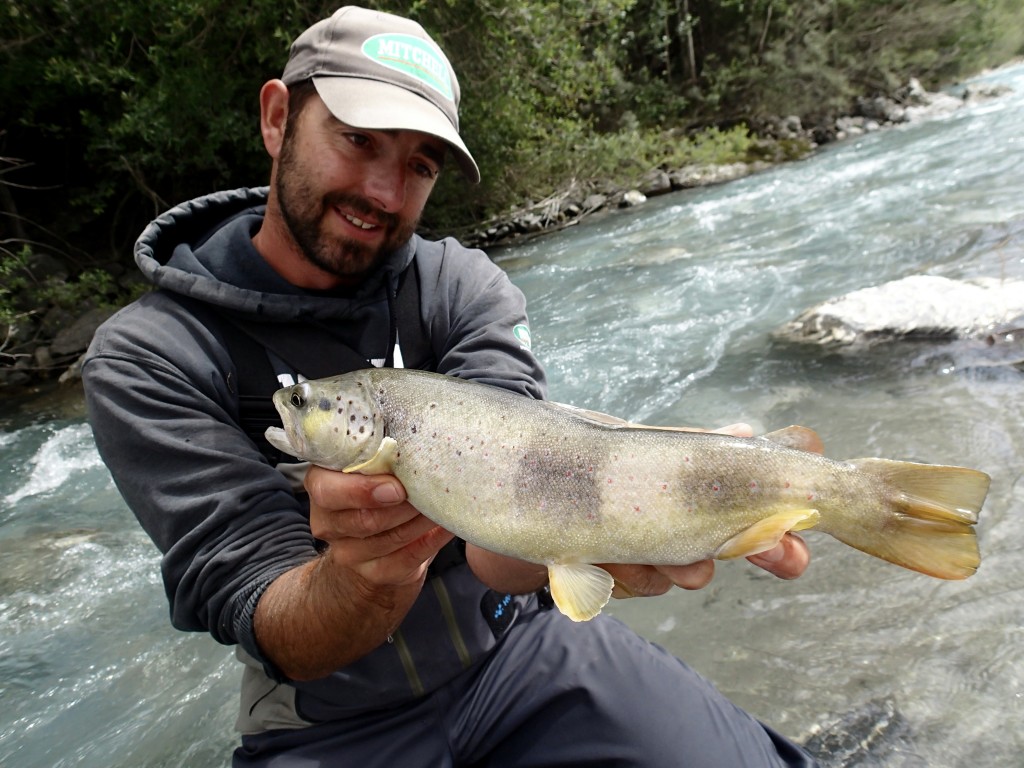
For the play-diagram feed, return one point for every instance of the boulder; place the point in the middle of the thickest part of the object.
(916, 307)
(76, 337)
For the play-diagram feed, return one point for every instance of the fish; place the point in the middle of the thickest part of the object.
(571, 488)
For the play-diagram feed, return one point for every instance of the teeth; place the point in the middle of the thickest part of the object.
(359, 222)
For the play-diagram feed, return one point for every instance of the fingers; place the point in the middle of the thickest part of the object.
(736, 430)
(338, 490)
(370, 527)
(650, 581)
(788, 560)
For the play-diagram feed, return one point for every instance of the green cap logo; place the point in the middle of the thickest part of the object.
(411, 56)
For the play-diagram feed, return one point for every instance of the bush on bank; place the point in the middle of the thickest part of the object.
(114, 111)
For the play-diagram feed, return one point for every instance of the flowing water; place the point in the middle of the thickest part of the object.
(662, 314)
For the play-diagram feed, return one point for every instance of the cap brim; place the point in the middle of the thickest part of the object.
(372, 104)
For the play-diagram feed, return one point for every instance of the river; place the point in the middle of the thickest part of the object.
(662, 314)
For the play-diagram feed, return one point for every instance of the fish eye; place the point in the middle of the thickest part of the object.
(296, 399)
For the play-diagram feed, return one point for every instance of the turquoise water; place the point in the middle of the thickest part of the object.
(661, 314)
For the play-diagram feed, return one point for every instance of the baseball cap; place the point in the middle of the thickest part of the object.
(378, 71)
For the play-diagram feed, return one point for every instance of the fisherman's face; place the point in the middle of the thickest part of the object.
(350, 196)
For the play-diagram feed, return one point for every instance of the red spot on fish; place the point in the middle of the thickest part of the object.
(610, 481)
(786, 484)
(810, 497)
(636, 508)
(664, 486)
(716, 487)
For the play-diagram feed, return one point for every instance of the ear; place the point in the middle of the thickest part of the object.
(273, 115)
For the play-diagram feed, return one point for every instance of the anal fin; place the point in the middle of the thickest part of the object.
(765, 534)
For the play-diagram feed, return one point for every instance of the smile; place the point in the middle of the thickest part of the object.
(359, 222)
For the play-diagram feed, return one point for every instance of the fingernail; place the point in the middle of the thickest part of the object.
(386, 493)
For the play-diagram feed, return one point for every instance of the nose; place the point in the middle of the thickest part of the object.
(385, 186)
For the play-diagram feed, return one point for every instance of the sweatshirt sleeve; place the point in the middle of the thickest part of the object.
(165, 424)
(478, 320)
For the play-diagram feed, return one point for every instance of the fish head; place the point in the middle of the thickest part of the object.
(333, 422)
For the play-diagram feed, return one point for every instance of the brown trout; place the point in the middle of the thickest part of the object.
(570, 488)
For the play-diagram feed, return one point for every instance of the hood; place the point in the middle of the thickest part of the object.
(203, 249)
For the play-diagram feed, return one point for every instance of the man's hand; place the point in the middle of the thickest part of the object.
(788, 560)
(370, 529)
(337, 608)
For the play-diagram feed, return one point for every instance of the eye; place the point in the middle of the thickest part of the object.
(426, 171)
(296, 399)
(358, 139)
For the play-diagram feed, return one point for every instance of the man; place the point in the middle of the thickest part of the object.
(369, 636)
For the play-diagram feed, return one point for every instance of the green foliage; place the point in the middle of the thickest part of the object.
(26, 289)
(14, 282)
(121, 108)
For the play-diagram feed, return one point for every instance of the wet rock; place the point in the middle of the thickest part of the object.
(632, 198)
(655, 182)
(76, 337)
(867, 736)
(916, 307)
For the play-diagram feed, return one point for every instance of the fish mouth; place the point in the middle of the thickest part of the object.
(287, 438)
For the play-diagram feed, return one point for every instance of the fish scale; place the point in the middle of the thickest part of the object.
(570, 488)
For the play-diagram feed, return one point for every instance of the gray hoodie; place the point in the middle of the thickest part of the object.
(165, 419)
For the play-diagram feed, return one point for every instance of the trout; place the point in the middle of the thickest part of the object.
(570, 488)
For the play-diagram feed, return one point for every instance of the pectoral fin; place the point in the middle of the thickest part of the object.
(580, 590)
(765, 534)
(381, 463)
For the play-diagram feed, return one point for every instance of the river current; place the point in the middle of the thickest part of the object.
(663, 314)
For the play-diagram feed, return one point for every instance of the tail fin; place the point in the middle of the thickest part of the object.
(931, 529)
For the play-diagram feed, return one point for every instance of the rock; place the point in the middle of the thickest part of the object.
(74, 371)
(76, 337)
(916, 307)
(655, 182)
(633, 198)
(42, 357)
(595, 201)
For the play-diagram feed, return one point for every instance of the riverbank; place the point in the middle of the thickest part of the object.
(48, 345)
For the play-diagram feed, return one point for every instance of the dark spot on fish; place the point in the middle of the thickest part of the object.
(362, 430)
(350, 418)
(325, 405)
(413, 429)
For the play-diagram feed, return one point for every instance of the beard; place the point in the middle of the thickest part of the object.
(304, 211)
